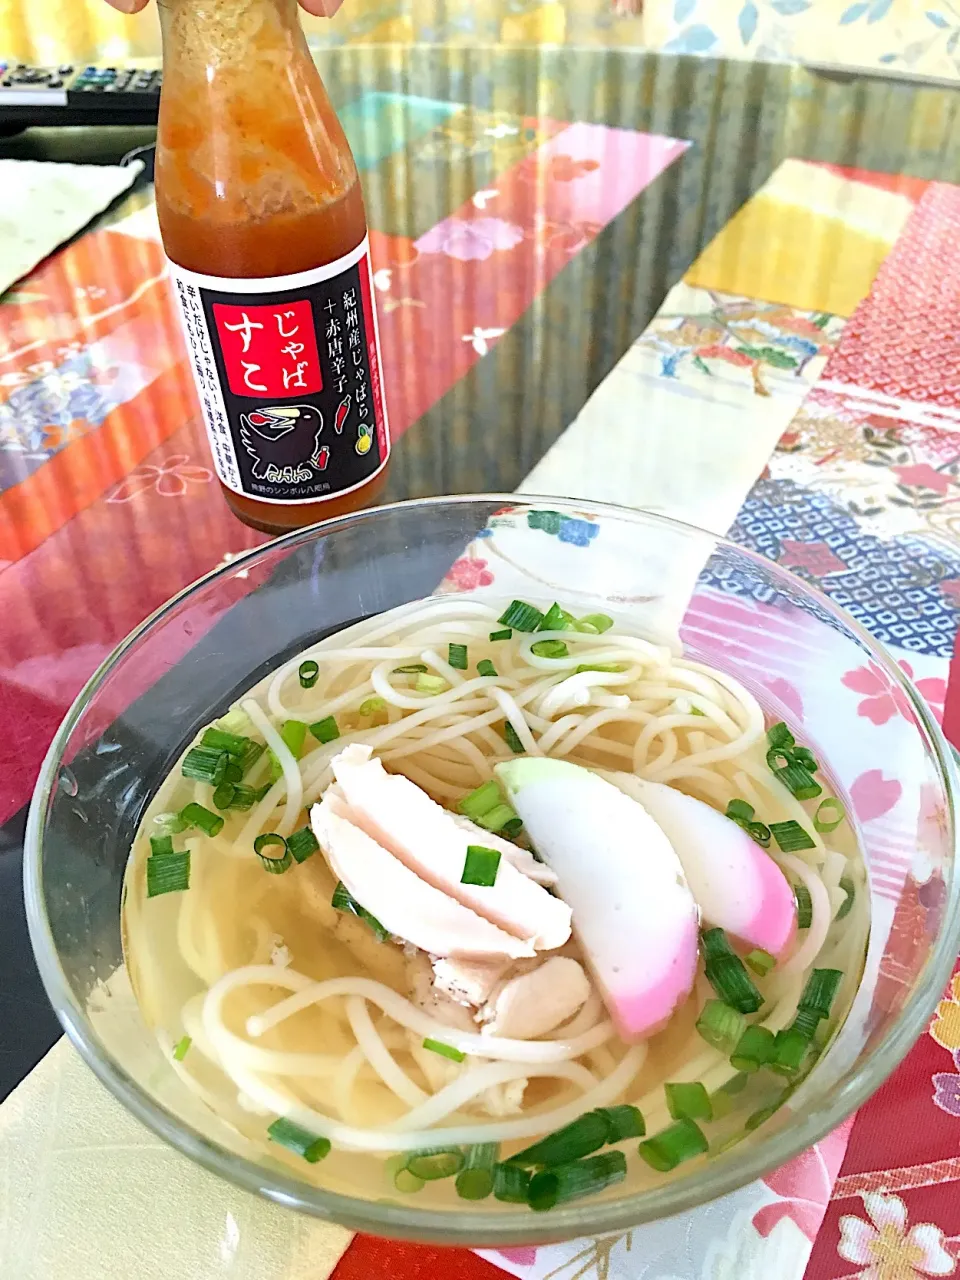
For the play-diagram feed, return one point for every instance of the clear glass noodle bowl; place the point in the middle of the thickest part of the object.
(734, 610)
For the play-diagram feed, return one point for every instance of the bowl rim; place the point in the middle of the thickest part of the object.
(721, 1176)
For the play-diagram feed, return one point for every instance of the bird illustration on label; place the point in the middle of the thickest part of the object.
(284, 442)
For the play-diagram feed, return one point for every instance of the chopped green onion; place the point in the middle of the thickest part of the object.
(688, 1101)
(550, 649)
(253, 752)
(430, 684)
(827, 823)
(611, 667)
(726, 973)
(480, 866)
(243, 797)
(203, 764)
(168, 823)
(671, 1146)
(804, 756)
(720, 1025)
(161, 845)
(407, 1182)
(789, 1051)
(740, 812)
(511, 1183)
(498, 819)
(435, 1162)
(300, 1141)
(293, 734)
(848, 887)
(486, 668)
(757, 831)
(804, 906)
(219, 740)
(778, 759)
(505, 634)
(168, 873)
(303, 844)
(372, 706)
(556, 619)
(754, 1050)
(236, 721)
(820, 990)
(594, 622)
(790, 836)
(807, 1021)
(195, 815)
(273, 852)
(482, 800)
(584, 1135)
(572, 1181)
(457, 656)
(475, 1179)
(180, 1048)
(513, 739)
(799, 781)
(326, 730)
(309, 673)
(761, 962)
(778, 735)
(224, 795)
(760, 1117)
(512, 828)
(521, 616)
(234, 773)
(445, 1050)
(411, 669)
(723, 1099)
(623, 1121)
(343, 900)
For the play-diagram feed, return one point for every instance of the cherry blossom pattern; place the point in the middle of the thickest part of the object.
(467, 573)
(945, 1027)
(804, 1185)
(470, 239)
(873, 795)
(886, 1249)
(788, 694)
(946, 1088)
(170, 479)
(884, 699)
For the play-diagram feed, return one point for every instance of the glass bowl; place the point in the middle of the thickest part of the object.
(744, 615)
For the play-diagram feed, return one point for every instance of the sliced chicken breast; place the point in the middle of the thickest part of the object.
(534, 1003)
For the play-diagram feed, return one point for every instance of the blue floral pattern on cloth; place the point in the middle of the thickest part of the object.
(892, 587)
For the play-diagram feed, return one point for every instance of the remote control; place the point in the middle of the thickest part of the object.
(68, 94)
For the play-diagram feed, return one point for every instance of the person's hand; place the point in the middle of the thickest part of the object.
(319, 8)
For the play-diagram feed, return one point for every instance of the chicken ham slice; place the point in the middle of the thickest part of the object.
(402, 818)
(403, 903)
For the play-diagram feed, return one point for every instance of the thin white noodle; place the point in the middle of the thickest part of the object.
(379, 1056)
(821, 918)
(285, 758)
(343, 1082)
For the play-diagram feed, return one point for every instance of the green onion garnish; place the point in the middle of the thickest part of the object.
(512, 827)
(243, 797)
(457, 656)
(252, 753)
(482, 800)
(475, 1179)
(580, 1138)
(790, 836)
(435, 1162)
(303, 844)
(556, 619)
(572, 1181)
(789, 1051)
(511, 1183)
(804, 756)
(445, 1050)
(688, 1101)
(720, 1025)
(726, 973)
(513, 739)
(169, 824)
(161, 844)
(820, 990)
(343, 900)
(233, 774)
(611, 667)
(430, 684)
(761, 962)
(754, 1050)
(195, 815)
(406, 1181)
(486, 668)
(777, 759)
(521, 616)
(760, 1117)
(309, 673)
(326, 730)
(848, 887)
(594, 623)
(804, 906)
(799, 781)
(219, 740)
(740, 812)
(203, 764)
(411, 669)
(499, 819)
(778, 735)
(293, 734)
(372, 706)
(550, 649)
(669, 1148)
(180, 1048)
(273, 853)
(300, 1141)
(168, 873)
(723, 1099)
(224, 795)
(505, 634)
(480, 866)
(830, 813)
(623, 1121)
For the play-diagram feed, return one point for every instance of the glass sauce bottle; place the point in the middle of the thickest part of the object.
(262, 219)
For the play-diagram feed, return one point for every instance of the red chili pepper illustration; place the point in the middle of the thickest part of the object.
(343, 408)
(321, 459)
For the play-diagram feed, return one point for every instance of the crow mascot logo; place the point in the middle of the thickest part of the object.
(284, 442)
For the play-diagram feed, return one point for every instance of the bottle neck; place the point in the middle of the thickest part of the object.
(216, 35)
